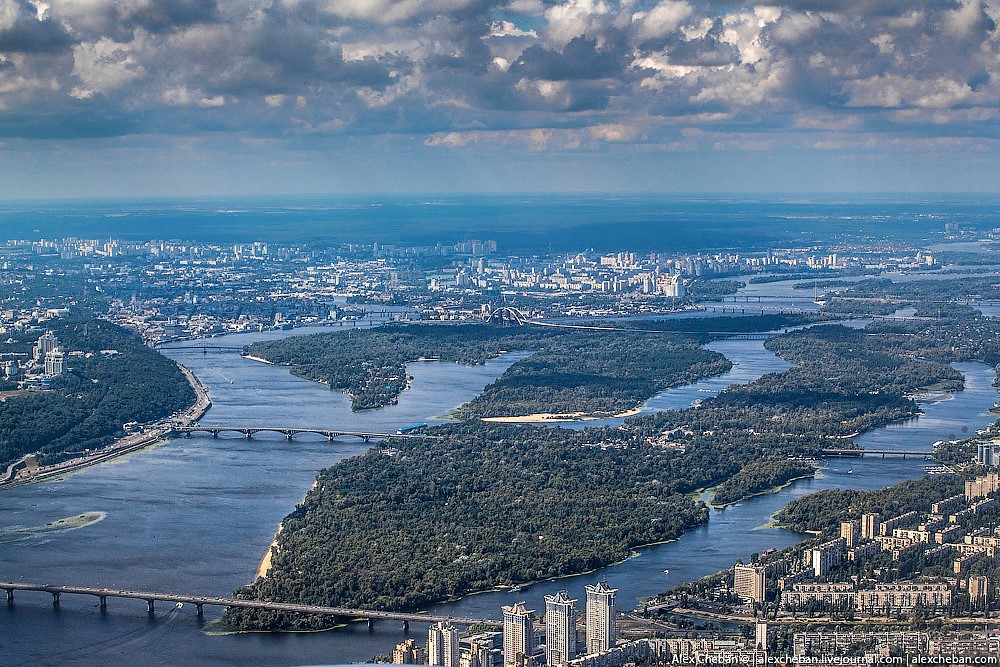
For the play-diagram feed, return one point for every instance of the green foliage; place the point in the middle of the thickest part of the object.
(95, 397)
(712, 290)
(824, 510)
(483, 505)
(760, 476)
(489, 504)
(573, 369)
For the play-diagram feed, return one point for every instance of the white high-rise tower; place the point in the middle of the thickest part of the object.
(518, 634)
(560, 629)
(600, 618)
(442, 645)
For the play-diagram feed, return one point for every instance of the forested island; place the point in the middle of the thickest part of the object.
(482, 505)
(573, 370)
(479, 506)
(115, 379)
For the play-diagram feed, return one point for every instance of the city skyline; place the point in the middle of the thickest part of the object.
(301, 96)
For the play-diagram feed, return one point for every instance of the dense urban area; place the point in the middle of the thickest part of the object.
(493, 500)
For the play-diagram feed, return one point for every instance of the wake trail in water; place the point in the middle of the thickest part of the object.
(113, 649)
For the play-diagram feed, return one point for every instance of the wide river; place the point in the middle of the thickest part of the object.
(195, 515)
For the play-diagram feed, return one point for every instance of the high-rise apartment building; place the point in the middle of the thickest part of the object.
(749, 582)
(869, 525)
(560, 629)
(601, 612)
(442, 645)
(518, 634)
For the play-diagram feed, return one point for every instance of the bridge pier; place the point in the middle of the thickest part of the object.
(371, 625)
(215, 434)
(149, 606)
(104, 602)
(329, 437)
(200, 607)
(10, 596)
(365, 438)
(406, 626)
(55, 600)
(288, 435)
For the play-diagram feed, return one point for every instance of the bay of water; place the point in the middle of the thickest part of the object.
(195, 515)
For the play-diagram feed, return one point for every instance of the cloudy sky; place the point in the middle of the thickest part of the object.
(134, 97)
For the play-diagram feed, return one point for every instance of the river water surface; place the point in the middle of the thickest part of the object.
(195, 515)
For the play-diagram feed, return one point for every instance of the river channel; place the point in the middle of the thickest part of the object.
(194, 515)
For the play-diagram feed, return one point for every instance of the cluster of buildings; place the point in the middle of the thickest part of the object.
(956, 534)
(653, 273)
(193, 289)
(46, 361)
(559, 640)
(765, 645)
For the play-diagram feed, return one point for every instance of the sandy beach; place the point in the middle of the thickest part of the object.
(553, 418)
(265, 562)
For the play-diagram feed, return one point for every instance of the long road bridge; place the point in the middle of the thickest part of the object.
(200, 601)
(860, 453)
(204, 349)
(288, 432)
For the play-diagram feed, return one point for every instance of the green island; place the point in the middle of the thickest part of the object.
(87, 405)
(572, 370)
(482, 504)
(940, 298)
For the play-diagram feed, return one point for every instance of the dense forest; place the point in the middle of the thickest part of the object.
(98, 393)
(932, 298)
(758, 477)
(482, 505)
(572, 370)
(487, 504)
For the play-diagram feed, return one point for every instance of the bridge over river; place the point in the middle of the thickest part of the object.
(199, 601)
(287, 431)
(861, 453)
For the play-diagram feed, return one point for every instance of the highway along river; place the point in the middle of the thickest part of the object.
(195, 515)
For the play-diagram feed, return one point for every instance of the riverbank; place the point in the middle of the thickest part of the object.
(265, 562)
(766, 492)
(133, 442)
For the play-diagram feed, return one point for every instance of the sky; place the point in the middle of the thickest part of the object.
(120, 98)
